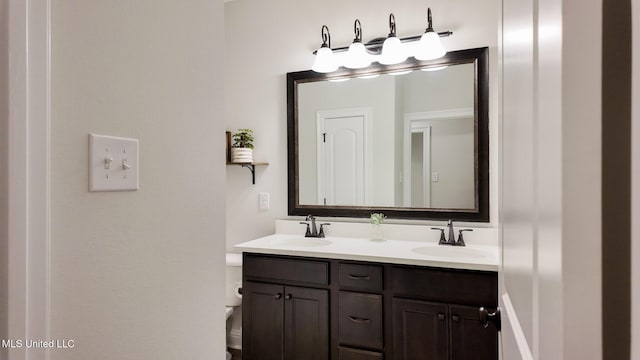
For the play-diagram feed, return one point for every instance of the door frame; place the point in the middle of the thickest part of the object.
(415, 122)
(367, 115)
(29, 174)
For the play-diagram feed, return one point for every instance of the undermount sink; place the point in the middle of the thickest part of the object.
(301, 242)
(456, 252)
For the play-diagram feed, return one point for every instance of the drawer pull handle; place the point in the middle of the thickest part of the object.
(288, 297)
(277, 296)
(440, 316)
(359, 320)
(455, 317)
(359, 277)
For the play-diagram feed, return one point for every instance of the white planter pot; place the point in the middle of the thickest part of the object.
(241, 155)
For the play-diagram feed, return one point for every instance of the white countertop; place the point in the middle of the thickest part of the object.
(423, 253)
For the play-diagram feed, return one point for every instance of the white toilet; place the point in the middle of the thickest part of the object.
(233, 300)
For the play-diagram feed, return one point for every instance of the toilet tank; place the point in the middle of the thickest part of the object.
(234, 279)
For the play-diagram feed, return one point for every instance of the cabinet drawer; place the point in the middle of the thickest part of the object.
(360, 320)
(360, 277)
(450, 286)
(357, 354)
(258, 267)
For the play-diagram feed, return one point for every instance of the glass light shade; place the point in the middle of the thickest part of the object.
(325, 61)
(392, 52)
(357, 56)
(430, 47)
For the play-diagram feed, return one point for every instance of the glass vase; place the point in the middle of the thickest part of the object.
(376, 232)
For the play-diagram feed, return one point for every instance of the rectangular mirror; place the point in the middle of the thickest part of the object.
(409, 140)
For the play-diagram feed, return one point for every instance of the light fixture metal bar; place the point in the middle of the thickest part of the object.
(376, 44)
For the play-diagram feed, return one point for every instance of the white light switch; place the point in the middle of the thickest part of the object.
(113, 163)
(264, 201)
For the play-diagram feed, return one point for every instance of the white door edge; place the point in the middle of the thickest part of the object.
(29, 174)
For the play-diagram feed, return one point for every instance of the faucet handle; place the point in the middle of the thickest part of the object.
(308, 232)
(460, 241)
(321, 232)
(443, 240)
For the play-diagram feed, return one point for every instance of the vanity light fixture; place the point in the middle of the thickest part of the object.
(430, 47)
(357, 56)
(325, 60)
(392, 49)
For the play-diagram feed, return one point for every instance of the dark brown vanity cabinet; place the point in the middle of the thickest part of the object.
(426, 330)
(306, 308)
(281, 321)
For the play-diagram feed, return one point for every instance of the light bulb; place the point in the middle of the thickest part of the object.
(430, 47)
(357, 56)
(325, 61)
(392, 51)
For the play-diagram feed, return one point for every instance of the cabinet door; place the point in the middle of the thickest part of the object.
(469, 339)
(419, 330)
(262, 321)
(306, 324)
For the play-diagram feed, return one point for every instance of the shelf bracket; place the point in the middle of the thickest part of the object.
(251, 168)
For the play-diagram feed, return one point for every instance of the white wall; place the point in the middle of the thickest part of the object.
(452, 149)
(265, 40)
(4, 165)
(138, 275)
(551, 143)
(449, 89)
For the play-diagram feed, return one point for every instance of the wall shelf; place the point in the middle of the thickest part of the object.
(251, 166)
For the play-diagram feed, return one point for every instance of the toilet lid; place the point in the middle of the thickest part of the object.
(234, 259)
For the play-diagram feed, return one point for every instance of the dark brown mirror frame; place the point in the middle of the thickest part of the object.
(478, 56)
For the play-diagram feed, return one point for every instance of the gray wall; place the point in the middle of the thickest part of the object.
(139, 275)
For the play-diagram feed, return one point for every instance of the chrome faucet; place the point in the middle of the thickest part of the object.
(312, 230)
(452, 237)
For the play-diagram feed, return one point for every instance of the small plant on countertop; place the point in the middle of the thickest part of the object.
(377, 218)
(243, 139)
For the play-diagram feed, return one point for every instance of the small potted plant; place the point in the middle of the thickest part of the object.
(376, 226)
(242, 148)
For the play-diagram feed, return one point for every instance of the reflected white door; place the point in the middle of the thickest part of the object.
(341, 159)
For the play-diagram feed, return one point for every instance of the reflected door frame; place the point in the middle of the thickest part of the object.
(421, 122)
(367, 115)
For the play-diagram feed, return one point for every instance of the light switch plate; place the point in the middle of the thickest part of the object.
(113, 163)
(264, 201)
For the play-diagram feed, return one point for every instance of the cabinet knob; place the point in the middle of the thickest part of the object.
(440, 316)
(288, 297)
(278, 296)
(455, 317)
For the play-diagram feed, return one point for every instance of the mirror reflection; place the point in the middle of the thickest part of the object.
(393, 140)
